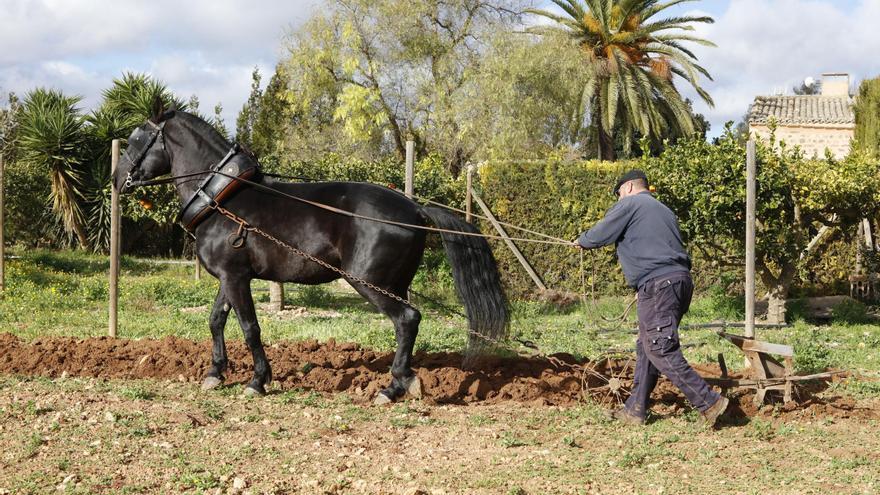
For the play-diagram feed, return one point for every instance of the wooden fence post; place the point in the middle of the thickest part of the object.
(198, 274)
(114, 243)
(2, 239)
(410, 160)
(750, 239)
(516, 252)
(276, 296)
(467, 195)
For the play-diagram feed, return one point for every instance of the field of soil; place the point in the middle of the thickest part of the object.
(360, 373)
(103, 415)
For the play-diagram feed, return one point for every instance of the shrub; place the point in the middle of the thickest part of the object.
(557, 198)
(811, 355)
(849, 311)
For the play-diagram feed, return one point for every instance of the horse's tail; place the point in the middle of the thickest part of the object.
(476, 280)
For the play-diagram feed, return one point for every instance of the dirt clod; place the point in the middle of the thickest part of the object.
(347, 367)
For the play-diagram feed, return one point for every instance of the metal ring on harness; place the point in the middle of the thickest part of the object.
(238, 238)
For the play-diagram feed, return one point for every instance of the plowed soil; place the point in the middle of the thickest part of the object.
(349, 368)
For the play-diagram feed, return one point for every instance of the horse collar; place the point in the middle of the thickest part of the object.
(223, 181)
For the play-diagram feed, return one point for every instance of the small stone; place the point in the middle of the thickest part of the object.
(109, 417)
(239, 483)
(181, 378)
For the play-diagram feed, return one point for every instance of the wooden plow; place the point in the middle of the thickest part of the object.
(608, 380)
(765, 373)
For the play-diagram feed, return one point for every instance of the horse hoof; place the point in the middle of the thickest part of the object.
(252, 392)
(415, 387)
(381, 399)
(211, 383)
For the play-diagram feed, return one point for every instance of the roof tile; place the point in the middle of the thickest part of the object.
(802, 109)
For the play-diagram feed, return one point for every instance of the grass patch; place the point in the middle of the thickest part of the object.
(63, 293)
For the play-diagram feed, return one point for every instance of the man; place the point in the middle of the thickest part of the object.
(656, 264)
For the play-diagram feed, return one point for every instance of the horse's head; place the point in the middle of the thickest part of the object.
(146, 156)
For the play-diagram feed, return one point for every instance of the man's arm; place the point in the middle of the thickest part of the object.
(609, 229)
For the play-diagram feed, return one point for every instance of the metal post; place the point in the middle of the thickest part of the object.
(410, 159)
(467, 196)
(114, 243)
(750, 239)
(2, 240)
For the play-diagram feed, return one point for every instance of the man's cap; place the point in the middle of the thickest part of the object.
(631, 175)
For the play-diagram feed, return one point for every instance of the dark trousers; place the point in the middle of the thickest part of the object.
(662, 303)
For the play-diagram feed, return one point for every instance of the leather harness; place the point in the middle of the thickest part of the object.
(215, 189)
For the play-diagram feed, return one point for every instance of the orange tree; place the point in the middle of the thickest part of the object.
(801, 204)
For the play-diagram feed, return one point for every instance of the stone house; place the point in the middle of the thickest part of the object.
(813, 122)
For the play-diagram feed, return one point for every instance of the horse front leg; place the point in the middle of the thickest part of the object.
(238, 292)
(217, 323)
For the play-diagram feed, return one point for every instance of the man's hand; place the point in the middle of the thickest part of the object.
(577, 244)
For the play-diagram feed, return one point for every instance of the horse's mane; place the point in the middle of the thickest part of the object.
(204, 130)
(212, 135)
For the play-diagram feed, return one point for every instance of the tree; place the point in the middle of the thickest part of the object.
(217, 121)
(632, 60)
(371, 78)
(244, 124)
(524, 102)
(867, 112)
(800, 204)
(132, 97)
(813, 89)
(8, 126)
(126, 104)
(52, 137)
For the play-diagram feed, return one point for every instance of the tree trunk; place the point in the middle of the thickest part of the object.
(81, 236)
(606, 141)
(777, 295)
(777, 291)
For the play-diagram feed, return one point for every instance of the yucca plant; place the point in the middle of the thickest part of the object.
(632, 58)
(132, 98)
(52, 137)
(105, 125)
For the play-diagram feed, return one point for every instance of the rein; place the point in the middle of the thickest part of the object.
(271, 190)
(238, 238)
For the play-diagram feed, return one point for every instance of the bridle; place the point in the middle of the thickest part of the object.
(156, 135)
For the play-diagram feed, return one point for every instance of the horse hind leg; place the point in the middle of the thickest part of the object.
(406, 321)
(403, 379)
(239, 294)
(217, 323)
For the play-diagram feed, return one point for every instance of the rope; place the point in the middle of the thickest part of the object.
(389, 222)
(618, 321)
(244, 226)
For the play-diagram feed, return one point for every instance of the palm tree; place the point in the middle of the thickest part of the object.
(632, 60)
(52, 137)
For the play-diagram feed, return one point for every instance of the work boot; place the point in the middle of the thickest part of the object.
(710, 416)
(624, 416)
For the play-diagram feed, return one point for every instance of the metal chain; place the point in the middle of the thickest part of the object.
(243, 225)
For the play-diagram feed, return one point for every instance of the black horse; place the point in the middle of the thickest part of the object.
(382, 254)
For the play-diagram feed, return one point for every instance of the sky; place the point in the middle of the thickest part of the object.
(210, 47)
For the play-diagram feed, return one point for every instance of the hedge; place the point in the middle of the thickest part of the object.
(559, 199)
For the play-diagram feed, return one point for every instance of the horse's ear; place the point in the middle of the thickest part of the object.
(158, 109)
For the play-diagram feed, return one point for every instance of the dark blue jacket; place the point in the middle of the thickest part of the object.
(647, 237)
